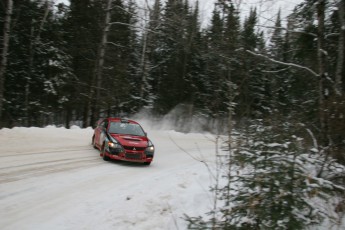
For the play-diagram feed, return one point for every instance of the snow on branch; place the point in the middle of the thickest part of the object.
(291, 31)
(285, 63)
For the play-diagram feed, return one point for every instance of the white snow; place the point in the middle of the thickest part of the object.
(52, 178)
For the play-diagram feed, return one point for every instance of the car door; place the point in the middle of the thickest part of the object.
(102, 131)
(98, 132)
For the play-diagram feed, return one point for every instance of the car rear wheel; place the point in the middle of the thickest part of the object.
(105, 157)
(147, 163)
(93, 142)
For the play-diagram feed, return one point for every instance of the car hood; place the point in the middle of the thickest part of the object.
(130, 140)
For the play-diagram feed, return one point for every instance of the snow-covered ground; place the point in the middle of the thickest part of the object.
(52, 178)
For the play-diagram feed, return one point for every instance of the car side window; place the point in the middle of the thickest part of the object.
(105, 125)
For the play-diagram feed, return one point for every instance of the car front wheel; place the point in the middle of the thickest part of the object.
(105, 157)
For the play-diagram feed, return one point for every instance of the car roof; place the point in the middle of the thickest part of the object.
(124, 120)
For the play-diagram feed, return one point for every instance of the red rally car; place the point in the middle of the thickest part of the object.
(122, 139)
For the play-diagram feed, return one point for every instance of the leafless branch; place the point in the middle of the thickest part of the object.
(285, 63)
(194, 158)
(290, 31)
(114, 44)
(276, 71)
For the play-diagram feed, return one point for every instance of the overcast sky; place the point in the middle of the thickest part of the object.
(267, 9)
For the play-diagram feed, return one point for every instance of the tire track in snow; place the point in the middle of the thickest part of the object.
(44, 168)
(20, 154)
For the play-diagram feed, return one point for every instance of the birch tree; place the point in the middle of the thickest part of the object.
(98, 72)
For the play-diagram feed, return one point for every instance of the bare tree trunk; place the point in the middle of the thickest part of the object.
(143, 67)
(323, 91)
(340, 59)
(103, 49)
(143, 62)
(97, 82)
(5, 47)
(231, 95)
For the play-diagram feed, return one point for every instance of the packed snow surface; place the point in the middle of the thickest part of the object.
(52, 178)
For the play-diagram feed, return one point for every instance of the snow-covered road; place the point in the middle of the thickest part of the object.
(52, 178)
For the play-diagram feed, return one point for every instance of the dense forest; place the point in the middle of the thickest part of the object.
(62, 64)
(92, 58)
(72, 64)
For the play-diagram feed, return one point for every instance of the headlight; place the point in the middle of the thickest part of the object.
(150, 149)
(113, 145)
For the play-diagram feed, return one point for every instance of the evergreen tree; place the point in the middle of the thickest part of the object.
(84, 34)
(172, 88)
(117, 88)
(37, 67)
(253, 97)
(279, 75)
(141, 95)
(210, 89)
(196, 62)
(270, 181)
(57, 71)
(155, 53)
(6, 12)
(223, 41)
(316, 50)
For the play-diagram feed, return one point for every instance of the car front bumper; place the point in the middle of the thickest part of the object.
(132, 156)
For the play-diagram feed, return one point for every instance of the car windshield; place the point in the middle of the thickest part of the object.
(126, 128)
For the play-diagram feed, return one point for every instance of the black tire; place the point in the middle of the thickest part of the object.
(147, 163)
(105, 157)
